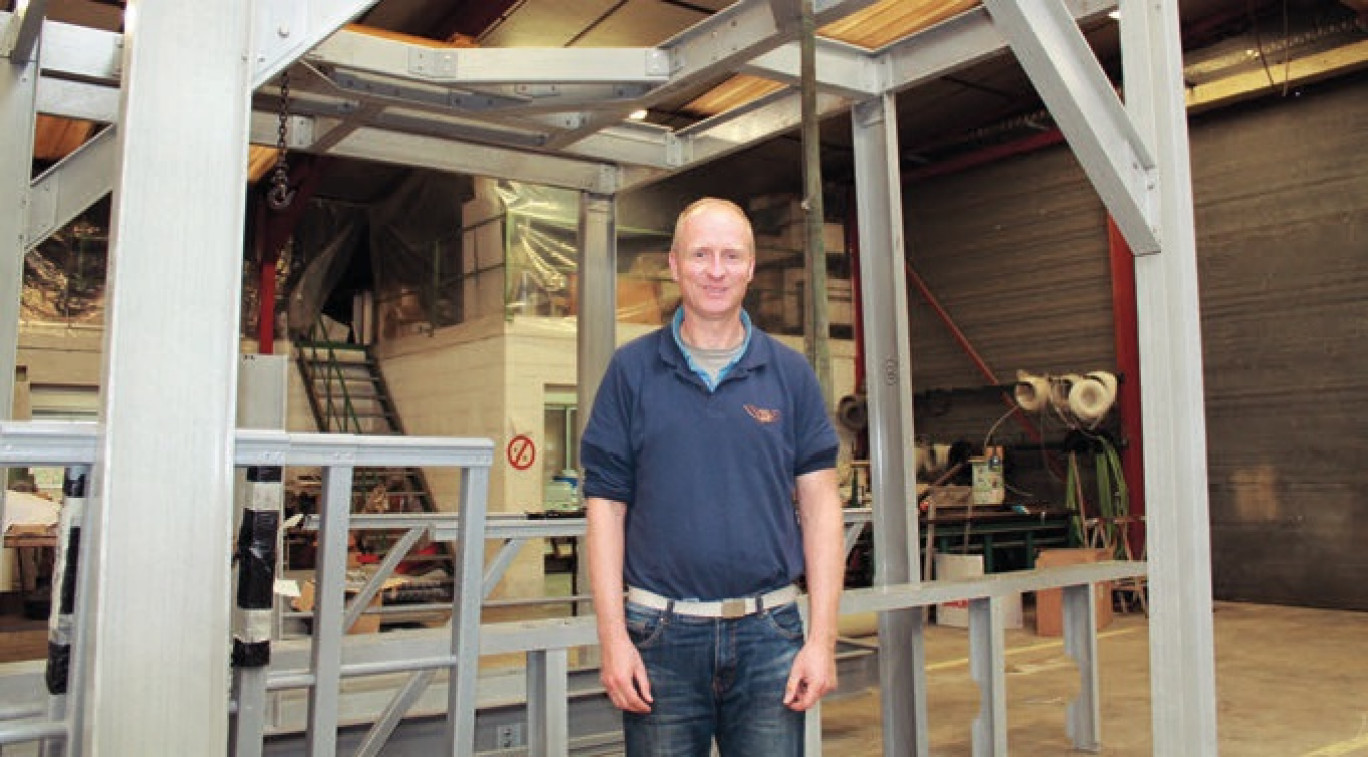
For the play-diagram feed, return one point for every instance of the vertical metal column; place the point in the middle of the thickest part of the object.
(548, 716)
(262, 391)
(596, 321)
(1080, 642)
(162, 510)
(889, 368)
(1182, 652)
(330, 578)
(596, 327)
(263, 501)
(18, 85)
(817, 323)
(63, 620)
(465, 612)
(987, 666)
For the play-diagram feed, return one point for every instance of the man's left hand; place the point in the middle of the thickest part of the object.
(812, 676)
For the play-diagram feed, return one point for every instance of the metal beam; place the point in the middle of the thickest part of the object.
(19, 37)
(68, 98)
(357, 51)
(548, 721)
(82, 52)
(479, 160)
(325, 653)
(1177, 525)
(959, 42)
(18, 92)
(287, 29)
(711, 48)
(888, 363)
(467, 577)
(1118, 160)
(987, 645)
(168, 403)
(596, 323)
(75, 183)
(842, 69)
(1084, 714)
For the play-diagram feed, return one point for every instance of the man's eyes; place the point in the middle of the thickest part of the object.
(728, 255)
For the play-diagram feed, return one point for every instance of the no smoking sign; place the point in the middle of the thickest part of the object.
(522, 452)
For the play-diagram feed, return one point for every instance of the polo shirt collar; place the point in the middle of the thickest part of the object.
(673, 352)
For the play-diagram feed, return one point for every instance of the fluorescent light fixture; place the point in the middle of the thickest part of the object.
(638, 115)
(1114, 14)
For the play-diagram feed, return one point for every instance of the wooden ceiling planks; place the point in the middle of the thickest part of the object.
(871, 28)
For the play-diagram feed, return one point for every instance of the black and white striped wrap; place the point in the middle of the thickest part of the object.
(65, 569)
(263, 497)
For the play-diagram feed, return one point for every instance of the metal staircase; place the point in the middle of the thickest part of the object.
(347, 394)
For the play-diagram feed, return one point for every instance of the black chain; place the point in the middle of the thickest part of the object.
(281, 195)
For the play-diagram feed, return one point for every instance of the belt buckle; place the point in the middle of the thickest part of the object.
(735, 608)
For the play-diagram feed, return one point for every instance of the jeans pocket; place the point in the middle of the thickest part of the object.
(644, 625)
(785, 621)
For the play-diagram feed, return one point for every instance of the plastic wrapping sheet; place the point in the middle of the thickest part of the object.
(327, 239)
(415, 248)
(64, 277)
(542, 242)
(446, 249)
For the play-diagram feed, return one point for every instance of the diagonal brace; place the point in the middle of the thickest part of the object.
(65, 190)
(1056, 56)
(19, 38)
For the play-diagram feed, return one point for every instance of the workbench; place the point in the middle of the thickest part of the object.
(1007, 538)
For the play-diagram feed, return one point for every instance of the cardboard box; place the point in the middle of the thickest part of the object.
(1049, 602)
(364, 624)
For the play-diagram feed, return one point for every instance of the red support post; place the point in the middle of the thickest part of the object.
(1125, 319)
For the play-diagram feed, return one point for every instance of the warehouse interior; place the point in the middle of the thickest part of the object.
(359, 222)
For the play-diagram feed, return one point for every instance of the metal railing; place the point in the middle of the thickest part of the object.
(319, 664)
(73, 445)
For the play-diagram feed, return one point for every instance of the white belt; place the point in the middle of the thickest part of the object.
(720, 608)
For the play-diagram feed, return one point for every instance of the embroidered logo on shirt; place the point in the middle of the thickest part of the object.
(764, 415)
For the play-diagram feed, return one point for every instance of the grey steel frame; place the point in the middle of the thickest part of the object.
(368, 99)
(74, 444)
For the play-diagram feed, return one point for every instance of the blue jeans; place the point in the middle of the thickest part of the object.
(717, 679)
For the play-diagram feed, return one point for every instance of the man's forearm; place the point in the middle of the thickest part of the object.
(606, 544)
(823, 552)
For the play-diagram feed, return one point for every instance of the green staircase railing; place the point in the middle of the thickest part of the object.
(347, 394)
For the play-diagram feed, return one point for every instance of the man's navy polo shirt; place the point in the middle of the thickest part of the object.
(707, 476)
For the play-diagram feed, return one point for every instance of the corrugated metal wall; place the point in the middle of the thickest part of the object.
(1016, 251)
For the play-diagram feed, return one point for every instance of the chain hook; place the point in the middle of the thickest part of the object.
(280, 196)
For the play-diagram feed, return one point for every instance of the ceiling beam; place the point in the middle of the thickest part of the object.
(470, 66)
(1296, 72)
(286, 29)
(479, 160)
(842, 69)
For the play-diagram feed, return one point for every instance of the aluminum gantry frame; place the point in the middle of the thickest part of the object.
(175, 159)
(309, 687)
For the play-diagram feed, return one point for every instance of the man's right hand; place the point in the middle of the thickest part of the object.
(623, 674)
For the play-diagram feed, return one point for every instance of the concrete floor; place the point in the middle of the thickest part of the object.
(1291, 682)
